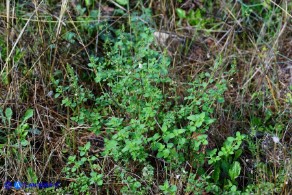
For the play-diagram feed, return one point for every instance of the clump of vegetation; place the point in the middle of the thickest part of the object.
(112, 98)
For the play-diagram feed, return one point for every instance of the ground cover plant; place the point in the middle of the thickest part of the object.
(145, 97)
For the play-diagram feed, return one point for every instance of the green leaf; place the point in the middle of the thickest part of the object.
(69, 36)
(237, 154)
(198, 119)
(220, 100)
(88, 3)
(166, 153)
(8, 114)
(198, 14)
(234, 170)
(164, 128)
(100, 182)
(87, 146)
(168, 136)
(123, 2)
(82, 153)
(225, 166)
(192, 128)
(230, 139)
(193, 20)
(173, 188)
(82, 160)
(111, 145)
(24, 142)
(209, 121)
(216, 173)
(165, 186)
(154, 138)
(180, 131)
(93, 158)
(233, 188)
(2, 146)
(32, 177)
(192, 117)
(181, 13)
(74, 169)
(205, 142)
(28, 114)
(71, 159)
(159, 155)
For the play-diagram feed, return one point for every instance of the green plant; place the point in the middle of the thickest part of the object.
(73, 95)
(138, 136)
(200, 185)
(133, 108)
(131, 185)
(89, 23)
(6, 120)
(166, 188)
(83, 182)
(17, 138)
(194, 18)
(225, 162)
(128, 119)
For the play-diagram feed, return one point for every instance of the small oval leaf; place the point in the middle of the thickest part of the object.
(8, 114)
(122, 2)
(234, 170)
(28, 114)
(181, 13)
